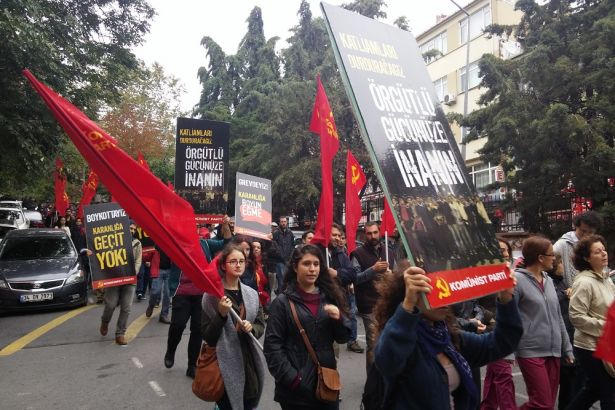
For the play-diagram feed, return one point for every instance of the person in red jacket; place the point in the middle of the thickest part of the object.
(261, 279)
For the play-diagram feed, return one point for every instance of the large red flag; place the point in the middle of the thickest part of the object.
(165, 216)
(355, 181)
(323, 124)
(141, 160)
(605, 349)
(88, 190)
(62, 202)
(387, 223)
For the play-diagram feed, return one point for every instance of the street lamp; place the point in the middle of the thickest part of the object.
(467, 80)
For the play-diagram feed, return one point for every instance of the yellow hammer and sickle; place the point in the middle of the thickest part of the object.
(444, 290)
(355, 174)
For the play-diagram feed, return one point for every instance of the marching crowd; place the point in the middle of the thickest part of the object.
(416, 357)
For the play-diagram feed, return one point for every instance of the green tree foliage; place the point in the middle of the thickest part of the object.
(268, 98)
(549, 114)
(81, 48)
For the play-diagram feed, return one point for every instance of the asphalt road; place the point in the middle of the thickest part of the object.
(71, 366)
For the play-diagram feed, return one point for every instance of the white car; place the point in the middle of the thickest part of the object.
(12, 218)
(11, 204)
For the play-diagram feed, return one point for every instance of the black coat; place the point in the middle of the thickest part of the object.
(286, 353)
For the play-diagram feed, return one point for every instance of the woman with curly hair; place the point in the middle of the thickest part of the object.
(320, 307)
(592, 294)
(423, 356)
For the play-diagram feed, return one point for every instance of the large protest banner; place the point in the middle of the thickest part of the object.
(201, 167)
(107, 231)
(252, 206)
(446, 228)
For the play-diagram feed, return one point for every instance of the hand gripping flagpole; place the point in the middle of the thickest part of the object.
(238, 319)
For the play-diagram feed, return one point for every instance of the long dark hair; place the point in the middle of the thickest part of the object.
(392, 291)
(324, 282)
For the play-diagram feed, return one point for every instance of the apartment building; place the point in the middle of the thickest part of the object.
(447, 68)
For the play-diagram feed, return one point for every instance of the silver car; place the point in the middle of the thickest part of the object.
(12, 218)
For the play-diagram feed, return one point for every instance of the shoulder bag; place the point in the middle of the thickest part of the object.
(329, 385)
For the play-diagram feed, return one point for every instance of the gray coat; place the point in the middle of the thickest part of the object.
(544, 332)
(228, 348)
(565, 248)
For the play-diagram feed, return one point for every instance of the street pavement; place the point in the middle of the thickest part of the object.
(50, 362)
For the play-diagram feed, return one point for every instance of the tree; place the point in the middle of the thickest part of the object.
(368, 8)
(81, 48)
(144, 119)
(549, 114)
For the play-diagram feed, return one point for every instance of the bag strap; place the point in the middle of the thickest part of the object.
(308, 345)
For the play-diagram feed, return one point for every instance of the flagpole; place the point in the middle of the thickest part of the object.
(328, 256)
(238, 319)
(386, 245)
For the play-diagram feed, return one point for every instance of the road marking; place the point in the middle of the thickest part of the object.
(23, 341)
(516, 374)
(156, 388)
(138, 324)
(137, 362)
(523, 396)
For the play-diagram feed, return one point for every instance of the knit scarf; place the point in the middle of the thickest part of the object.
(436, 339)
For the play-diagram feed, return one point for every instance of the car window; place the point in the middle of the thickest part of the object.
(36, 248)
(8, 216)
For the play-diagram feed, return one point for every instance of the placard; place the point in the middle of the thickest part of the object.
(201, 167)
(107, 231)
(445, 226)
(253, 206)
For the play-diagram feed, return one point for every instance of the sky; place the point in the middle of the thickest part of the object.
(177, 29)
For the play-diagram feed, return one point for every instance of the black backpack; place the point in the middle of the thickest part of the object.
(374, 391)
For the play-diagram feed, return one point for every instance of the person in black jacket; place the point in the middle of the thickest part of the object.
(283, 242)
(321, 309)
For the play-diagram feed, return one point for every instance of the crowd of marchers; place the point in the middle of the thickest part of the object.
(306, 301)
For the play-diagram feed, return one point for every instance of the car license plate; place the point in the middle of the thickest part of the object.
(36, 297)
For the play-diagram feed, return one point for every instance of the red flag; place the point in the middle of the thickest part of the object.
(355, 181)
(141, 160)
(62, 202)
(323, 124)
(605, 349)
(387, 224)
(88, 191)
(166, 217)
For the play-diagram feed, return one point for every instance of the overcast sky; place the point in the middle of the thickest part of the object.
(176, 31)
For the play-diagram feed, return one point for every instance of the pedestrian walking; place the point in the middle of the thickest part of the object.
(241, 361)
(160, 272)
(320, 308)
(121, 296)
(423, 356)
(283, 243)
(592, 294)
(545, 339)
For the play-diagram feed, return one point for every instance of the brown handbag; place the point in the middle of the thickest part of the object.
(329, 384)
(208, 384)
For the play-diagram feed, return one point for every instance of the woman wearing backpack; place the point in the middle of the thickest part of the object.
(423, 357)
(241, 361)
(321, 311)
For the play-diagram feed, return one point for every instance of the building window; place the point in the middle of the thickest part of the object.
(441, 85)
(482, 175)
(473, 80)
(478, 22)
(438, 42)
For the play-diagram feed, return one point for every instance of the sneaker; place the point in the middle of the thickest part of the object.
(190, 372)
(121, 340)
(149, 311)
(355, 347)
(165, 320)
(104, 328)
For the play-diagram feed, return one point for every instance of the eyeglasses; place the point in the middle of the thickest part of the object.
(235, 262)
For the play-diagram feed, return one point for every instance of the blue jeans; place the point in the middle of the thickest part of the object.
(160, 287)
(279, 276)
(352, 303)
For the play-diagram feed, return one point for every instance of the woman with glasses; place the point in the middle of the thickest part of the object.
(544, 339)
(320, 308)
(241, 361)
(592, 294)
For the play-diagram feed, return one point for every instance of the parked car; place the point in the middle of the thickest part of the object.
(11, 204)
(35, 218)
(10, 219)
(39, 268)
